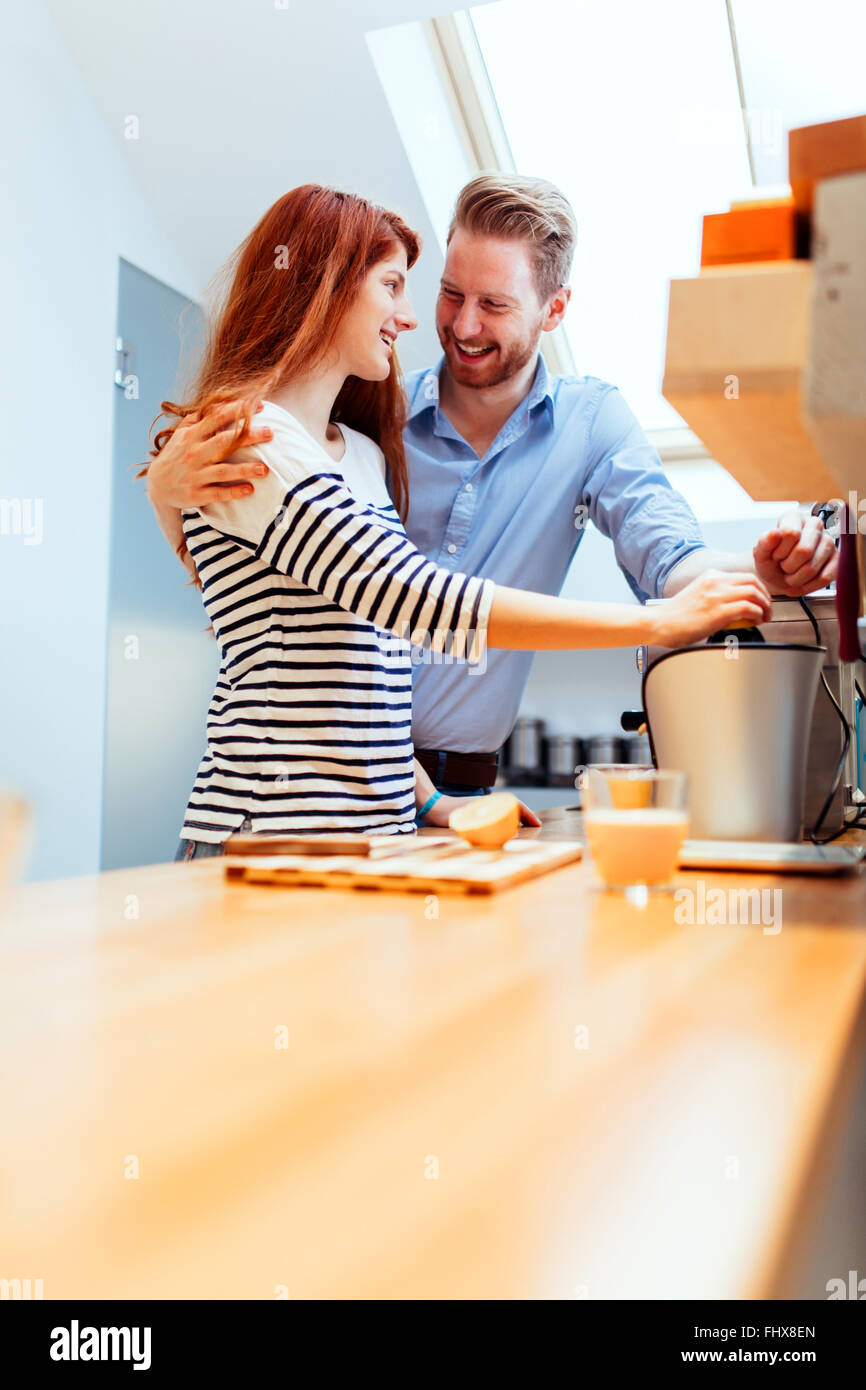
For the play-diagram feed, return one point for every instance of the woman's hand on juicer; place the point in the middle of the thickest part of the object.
(715, 600)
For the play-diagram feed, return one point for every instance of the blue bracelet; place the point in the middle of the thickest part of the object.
(428, 805)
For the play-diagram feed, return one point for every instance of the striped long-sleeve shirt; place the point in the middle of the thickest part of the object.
(316, 596)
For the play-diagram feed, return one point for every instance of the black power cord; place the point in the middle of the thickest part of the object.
(846, 744)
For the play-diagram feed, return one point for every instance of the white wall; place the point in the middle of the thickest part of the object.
(71, 208)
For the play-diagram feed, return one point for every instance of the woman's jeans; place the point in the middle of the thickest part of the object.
(203, 849)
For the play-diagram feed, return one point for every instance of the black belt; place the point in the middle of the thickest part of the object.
(460, 769)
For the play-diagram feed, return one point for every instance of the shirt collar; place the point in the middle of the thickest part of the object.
(542, 386)
(427, 391)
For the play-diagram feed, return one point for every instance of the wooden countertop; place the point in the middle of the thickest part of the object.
(553, 1093)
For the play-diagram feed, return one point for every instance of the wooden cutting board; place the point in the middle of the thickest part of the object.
(429, 865)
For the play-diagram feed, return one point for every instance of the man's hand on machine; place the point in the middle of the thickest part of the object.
(190, 471)
(796, 556)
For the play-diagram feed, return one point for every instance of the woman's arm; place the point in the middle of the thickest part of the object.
(190, 472)
(308, 525)
(538, 622)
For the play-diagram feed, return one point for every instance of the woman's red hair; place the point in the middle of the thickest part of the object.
(292, 281)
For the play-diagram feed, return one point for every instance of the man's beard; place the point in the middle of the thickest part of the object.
(500, 366)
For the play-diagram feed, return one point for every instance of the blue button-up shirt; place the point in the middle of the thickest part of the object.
(572, 449)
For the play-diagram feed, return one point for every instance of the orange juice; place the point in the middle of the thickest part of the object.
(629, 793)
(636, 846)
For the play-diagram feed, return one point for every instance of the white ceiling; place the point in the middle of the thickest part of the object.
(240, 100)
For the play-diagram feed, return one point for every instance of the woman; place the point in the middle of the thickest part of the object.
(311, 585)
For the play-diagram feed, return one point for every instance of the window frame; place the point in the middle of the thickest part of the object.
(478, 122)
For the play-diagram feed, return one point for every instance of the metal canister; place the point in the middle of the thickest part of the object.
(603, 748)
(524, 754)
(565, 757)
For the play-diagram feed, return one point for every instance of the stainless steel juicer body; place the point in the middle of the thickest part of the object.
(736, 718)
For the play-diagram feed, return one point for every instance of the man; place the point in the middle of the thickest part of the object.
(506, 462)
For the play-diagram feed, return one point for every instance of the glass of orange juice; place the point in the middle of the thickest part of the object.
(636, 819)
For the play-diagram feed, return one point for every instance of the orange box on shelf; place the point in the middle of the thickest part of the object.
(822, 152)
(760, 231)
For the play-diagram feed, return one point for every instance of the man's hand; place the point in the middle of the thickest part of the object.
(796, 557)
(189, 471)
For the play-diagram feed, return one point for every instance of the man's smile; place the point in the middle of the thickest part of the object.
(472, 354)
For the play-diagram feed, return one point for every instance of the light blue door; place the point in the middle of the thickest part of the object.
(161, 664)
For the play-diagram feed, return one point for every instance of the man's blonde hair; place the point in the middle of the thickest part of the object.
(515, 208)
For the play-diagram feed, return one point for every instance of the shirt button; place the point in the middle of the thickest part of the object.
(452, 550)
(468, 487)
